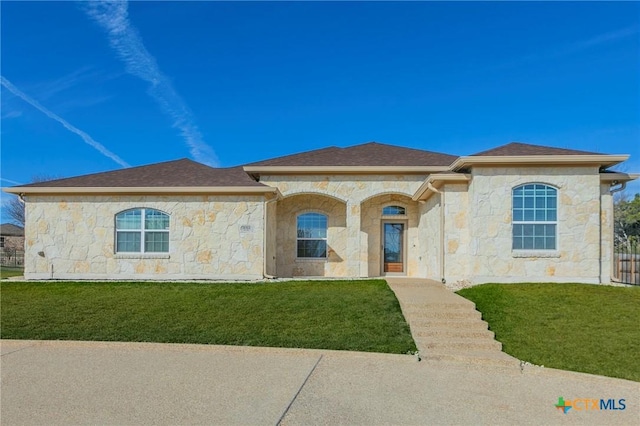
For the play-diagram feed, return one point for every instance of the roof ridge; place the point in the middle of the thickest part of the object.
(499, 150)
(311, 153)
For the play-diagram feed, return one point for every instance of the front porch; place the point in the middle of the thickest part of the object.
(318, 235)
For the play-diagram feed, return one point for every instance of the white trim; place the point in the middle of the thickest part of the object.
(284, 170)
(325, 239)
(142, 232)
(141, 190)
(518, 252)
(621, 177)
(538, 160)
(134, 255)
(434, 182)
(535, 253)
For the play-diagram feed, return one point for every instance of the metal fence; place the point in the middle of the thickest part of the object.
(626, 263)
(11, 257)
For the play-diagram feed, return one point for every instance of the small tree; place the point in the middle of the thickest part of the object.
(626, 216)
(15, 207)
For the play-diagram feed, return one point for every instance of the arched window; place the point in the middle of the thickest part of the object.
(535, 217)
(393, 210)
(312, 236)
(142, 231)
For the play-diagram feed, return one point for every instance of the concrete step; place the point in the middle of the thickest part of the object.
(445, 323)
(439, 306)
(491, 358)
(457, 314)
(455, 333)
(459, 346)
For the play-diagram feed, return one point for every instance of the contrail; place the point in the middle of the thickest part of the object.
(85, 137)
(113, 16)
(11, 181)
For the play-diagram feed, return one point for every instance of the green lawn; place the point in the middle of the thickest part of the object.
(588, 328)
(6, 272)
(346, 315)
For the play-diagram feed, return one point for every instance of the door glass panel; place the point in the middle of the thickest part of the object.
(393, 247)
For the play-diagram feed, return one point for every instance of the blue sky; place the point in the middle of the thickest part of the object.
(94, 87)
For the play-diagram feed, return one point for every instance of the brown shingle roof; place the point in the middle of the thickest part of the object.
(518, 148)
(368, 154)
(11, 230)
(176, 173)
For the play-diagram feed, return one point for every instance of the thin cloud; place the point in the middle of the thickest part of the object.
(11, 181)
(124, 38)
(85, 137)
(575, 47)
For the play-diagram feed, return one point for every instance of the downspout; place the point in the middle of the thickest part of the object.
(622, 186)
(442, 257)
(264, 240)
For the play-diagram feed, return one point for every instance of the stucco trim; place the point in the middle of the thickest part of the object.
(350, 170)
(535, 253)
(142, 256)
(538, 160)
(427, 188)
(620, 177)
(143, 190)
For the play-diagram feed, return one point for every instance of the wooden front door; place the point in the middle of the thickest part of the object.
(393, 247)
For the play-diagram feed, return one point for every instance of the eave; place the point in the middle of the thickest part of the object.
(364, 170)
(144, 190)
(538, 160)
(618, 177)
(434, 182)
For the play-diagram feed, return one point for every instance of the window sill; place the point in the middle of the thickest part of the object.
(142, 256)
(311, 259)
(535, 253)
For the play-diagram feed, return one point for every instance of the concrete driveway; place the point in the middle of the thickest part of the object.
(143, 383)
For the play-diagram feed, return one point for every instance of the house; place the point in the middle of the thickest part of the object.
(11, 237)
(518, 212)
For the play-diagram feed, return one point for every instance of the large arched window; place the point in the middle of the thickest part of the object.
(535, 217)
(312, 236)
(142, 231)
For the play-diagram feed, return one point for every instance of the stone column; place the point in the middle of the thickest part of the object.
(606, 234)
(356, 267)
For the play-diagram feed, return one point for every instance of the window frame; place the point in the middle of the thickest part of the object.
(325, 238)
(395, 206)
(142, 231)
(534, 222)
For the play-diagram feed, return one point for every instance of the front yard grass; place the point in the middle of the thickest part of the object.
(580, 327)
(8, 271)
(345, 315)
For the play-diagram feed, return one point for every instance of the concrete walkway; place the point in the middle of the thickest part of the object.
(145, 383)
(446, 326)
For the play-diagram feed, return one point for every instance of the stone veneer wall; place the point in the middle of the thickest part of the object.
(372, 226)
(287, 264)
(456, 232)
(352, 190)
(271, 233)
(429, 231)
(490, 256)
(75, 236)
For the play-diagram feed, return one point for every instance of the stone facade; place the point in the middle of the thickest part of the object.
(345, 196)
(490, 255)
(212, 237)
(462, 234)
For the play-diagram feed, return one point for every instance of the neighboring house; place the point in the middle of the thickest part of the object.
(11, 237)
(518, 212)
